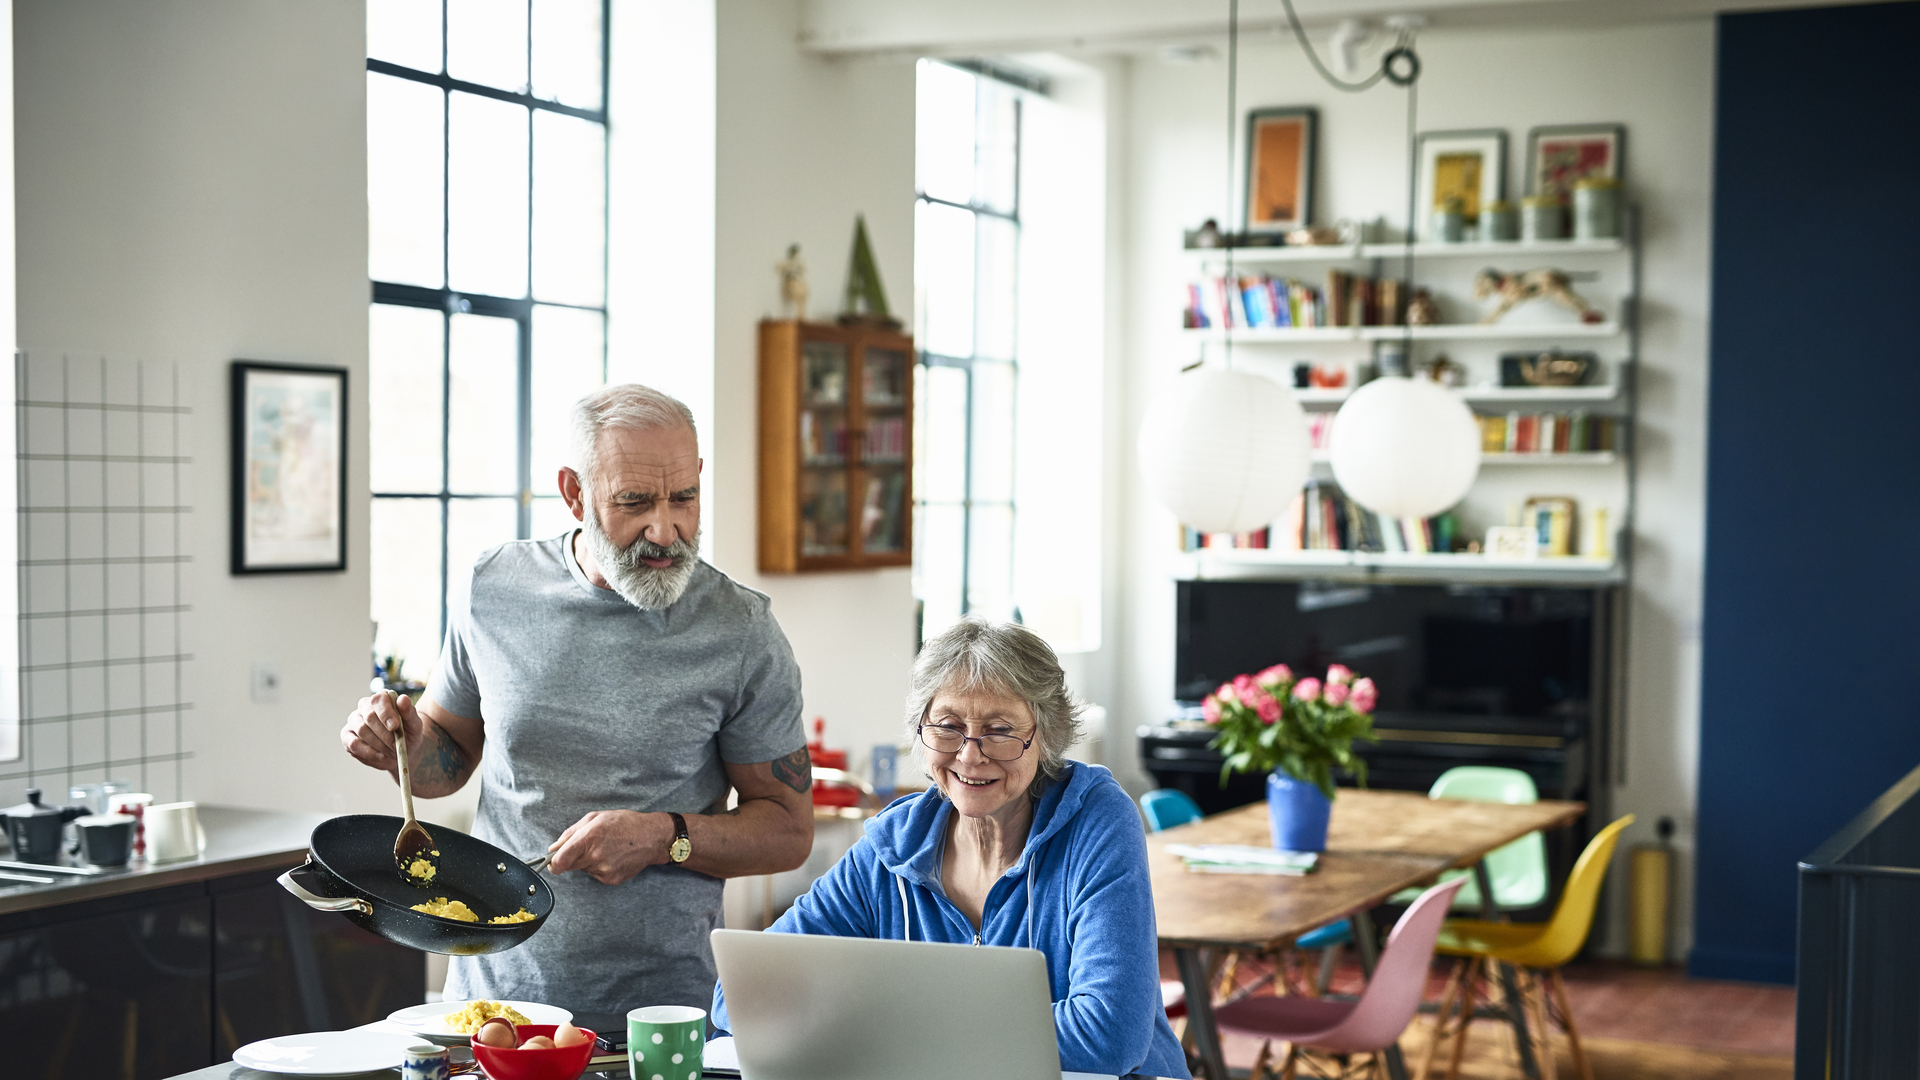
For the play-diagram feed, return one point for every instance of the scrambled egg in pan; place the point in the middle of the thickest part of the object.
(454, 909)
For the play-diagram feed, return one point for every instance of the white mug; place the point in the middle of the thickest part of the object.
(133, 804)
(174, 832)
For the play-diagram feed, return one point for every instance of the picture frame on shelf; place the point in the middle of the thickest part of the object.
(1560, 156)
(1470, 166)
(1281, 151)
(289, 482)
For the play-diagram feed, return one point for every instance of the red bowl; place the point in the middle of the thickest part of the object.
(559, 1063)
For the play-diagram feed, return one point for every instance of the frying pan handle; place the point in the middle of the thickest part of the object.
(318, 902)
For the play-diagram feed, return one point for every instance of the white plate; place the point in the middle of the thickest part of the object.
(430, 1020)
(326, 1053)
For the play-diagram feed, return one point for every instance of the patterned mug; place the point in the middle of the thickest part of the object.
(665, 1042)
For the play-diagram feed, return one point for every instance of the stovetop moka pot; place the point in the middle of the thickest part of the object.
(34, 830)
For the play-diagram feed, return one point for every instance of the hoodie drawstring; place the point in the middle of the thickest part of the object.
(906, 909)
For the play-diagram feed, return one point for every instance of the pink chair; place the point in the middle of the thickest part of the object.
(1370, 1025)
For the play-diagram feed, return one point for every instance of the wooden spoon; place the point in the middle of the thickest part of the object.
(413, 849)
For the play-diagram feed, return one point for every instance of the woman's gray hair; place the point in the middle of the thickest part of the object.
(999, 658)
(627, 406)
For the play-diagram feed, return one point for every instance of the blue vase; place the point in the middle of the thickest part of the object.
(1298, 813)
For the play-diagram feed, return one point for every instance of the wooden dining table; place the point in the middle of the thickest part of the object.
(1378, 843)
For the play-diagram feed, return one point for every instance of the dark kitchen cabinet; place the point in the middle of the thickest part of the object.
(159, 982)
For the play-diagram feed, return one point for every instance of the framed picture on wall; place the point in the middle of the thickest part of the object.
(1280, 159)
(1559, 157)
(289, 438)
(1470, 166)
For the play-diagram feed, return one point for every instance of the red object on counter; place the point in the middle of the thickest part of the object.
(829, 792)
(559, 1063)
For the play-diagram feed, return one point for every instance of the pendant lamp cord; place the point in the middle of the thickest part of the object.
(1233, 128)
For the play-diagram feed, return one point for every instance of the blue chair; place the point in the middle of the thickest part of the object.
(1165, 808)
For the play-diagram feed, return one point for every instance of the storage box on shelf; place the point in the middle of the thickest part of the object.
(1595, 465)
(836, 447)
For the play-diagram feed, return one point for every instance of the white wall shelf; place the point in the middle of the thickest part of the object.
(1584, 457)
(1287, 335)
(1256, 563)
(1342, 253)
(1483, 395)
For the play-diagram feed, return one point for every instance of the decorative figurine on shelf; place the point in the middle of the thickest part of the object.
(1206, 236)
(1421, 310)
(793, 283)
(866, 302)
(1444, 371)
(1526, 285)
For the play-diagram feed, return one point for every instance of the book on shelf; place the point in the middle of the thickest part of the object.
(1264, 302)
(1322, 518)
(1576, 432)
(887, 439)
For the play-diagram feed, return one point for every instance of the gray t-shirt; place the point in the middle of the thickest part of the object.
(591, 704)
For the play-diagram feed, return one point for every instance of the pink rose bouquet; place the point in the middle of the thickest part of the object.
(1304, 727)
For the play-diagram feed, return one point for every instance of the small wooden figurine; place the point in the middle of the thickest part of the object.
(793, 283)
(1526, 285)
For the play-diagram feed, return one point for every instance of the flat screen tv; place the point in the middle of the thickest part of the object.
(1497, 651)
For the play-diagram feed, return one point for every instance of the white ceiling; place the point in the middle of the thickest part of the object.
(946, 27)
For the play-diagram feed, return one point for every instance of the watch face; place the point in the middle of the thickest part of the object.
(682, 848)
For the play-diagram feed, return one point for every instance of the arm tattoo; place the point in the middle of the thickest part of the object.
(447, 755)
(795, 770)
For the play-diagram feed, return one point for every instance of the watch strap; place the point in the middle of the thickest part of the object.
(681, 842)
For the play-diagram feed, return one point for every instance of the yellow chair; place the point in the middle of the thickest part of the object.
(1536, 951)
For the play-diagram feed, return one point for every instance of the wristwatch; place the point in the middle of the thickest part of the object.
(682, 847)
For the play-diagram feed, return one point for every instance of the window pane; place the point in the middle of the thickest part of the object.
(943, 271)
(473, 526)
(569, 362)
(940, 435)
(992, 478)
(404, 198)
(937, 534)
(405, 32)
(569, 209)
(483, 422)
(487, 221)
(997, 159)
(990, 562)
(551, 517)
(405, 354)
(405, 568)
(997, 282)
(566, 52)
(944, 149)
(487, 42)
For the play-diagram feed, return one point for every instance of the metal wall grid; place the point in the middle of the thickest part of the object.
(101, 518)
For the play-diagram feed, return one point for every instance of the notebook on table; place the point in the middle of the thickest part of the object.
(807, 1007)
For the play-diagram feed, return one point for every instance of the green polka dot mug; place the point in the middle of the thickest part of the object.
(664, 1042)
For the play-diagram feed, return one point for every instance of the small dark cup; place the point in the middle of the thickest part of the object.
(104, 839)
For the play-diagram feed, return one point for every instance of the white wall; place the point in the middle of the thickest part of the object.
(192, 188)
(1657, 79)
(804, 144)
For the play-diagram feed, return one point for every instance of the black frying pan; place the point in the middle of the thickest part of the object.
(350, 869)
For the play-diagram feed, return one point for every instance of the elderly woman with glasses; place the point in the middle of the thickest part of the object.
(1013, 845)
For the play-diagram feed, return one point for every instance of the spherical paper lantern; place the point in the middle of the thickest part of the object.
(1405, 447)
(1226, 451)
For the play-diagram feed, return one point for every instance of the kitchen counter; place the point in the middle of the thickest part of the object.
(238, 841)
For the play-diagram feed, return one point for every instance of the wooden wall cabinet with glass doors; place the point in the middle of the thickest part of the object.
(836, 447)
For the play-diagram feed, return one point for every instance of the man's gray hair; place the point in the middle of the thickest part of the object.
(999, 658)
(627, 406)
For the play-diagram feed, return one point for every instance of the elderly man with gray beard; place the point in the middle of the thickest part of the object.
(609, 687)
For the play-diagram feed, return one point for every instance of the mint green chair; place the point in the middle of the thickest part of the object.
(1519, 870)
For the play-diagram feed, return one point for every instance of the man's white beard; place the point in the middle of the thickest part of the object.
(641, 585)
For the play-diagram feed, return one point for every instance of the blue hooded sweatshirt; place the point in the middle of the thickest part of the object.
(1079, 893)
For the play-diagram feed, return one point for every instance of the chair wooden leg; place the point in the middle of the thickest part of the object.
(1290, 1067)
(1440, 1018)
(1259, 1070)
(1474, 966)
(1533, 994)
(1224, 986)
(1566, 1017)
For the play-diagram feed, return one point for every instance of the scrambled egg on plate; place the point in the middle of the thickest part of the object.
(468, 1019)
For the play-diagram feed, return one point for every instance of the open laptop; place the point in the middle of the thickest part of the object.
(806, 1007)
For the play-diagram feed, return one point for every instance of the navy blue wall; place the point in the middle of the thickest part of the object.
(1810, 681)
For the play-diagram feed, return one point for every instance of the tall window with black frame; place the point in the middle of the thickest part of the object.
(966, 271)
(487, 213)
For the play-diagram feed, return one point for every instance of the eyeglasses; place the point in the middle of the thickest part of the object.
(951, 740)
